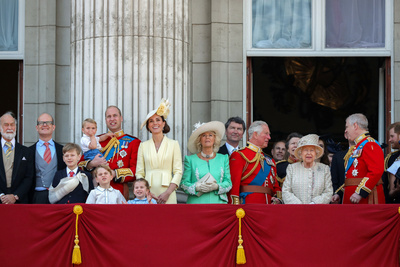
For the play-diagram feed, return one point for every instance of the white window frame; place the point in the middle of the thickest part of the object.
(318, 37)
(19, 54)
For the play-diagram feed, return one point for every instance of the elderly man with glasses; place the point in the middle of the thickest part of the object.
(48, 159)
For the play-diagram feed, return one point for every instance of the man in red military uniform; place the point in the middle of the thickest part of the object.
(119, 152)
(364, 165)
(253, 173)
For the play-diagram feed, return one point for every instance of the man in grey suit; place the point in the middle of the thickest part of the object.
(47, 159)
(16, 164)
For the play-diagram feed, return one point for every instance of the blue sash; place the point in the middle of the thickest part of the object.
(258, 180)
(351, 159)
(124, 141)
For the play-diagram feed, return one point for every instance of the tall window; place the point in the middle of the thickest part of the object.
(281, 24)
(318, 24)
(8, 25)
(355, 23)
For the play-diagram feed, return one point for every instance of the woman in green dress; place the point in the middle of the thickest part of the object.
(206, 177)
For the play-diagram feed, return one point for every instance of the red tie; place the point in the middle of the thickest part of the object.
(47, 153)
(71, 174)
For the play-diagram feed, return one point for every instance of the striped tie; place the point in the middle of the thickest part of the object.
(47, 153)
(9, 149)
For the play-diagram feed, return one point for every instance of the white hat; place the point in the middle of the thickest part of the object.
(162, 110)
(212, 126)
(309, 140)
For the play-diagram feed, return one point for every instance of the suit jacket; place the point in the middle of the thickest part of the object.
(78, 195)
(223, 150)
(337, 170)
(22, 174)
(60, 165)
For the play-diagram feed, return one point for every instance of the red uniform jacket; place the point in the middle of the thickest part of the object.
(121, 157)
(366, 161)
(241, 164)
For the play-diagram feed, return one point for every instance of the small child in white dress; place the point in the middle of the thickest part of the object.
(90, 143)
(104, 193)
(141, 190)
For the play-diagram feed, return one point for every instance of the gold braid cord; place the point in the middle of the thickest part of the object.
(257, 158)
(76, 253)
(240, 256)
(113, 143)
(348, 154)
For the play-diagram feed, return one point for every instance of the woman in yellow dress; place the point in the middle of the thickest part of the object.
(159, 159)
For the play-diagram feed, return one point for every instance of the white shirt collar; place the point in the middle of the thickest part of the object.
(74, 170)
(3, 142)
(230, 148)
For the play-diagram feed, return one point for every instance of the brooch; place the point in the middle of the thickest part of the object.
(355, 163)
(354, 172)
(122, 153)
(120, 163)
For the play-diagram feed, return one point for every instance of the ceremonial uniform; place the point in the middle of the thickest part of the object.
(364, 166)
(253, 176)
(121, 155)
(281, 167)
(389, 160)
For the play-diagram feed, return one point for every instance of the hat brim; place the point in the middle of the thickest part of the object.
(318, 149)
(151, 113)
(212, 126)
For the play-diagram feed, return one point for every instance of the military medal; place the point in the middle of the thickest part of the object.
(272, 179)
(269, 161)
(120, 163)
(122, 153)
(354, 172)
(355, 163)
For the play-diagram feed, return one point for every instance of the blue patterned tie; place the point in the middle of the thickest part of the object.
(9, 149)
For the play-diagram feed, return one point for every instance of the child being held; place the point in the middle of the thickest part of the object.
(104, 193)
(70, 185)
(141, 190)
(90, 143)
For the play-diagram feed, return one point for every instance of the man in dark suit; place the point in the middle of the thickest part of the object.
(48, 159)
(234, 130)
(16, 164)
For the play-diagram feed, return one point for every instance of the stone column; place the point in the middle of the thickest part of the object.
(129, 54)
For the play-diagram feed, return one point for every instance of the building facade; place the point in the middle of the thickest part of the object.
(212, 58)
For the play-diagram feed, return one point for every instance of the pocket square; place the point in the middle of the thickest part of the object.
(23, 158)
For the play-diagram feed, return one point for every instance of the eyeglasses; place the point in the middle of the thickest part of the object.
(41, 123)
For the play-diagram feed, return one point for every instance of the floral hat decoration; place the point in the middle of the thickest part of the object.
(199, 128)
(162, 110)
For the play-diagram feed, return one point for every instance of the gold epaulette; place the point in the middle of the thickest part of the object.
(387, 159)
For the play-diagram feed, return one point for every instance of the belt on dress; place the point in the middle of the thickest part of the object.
(373, 196)
(256, 189)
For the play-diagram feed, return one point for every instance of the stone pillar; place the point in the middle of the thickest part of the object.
(47, 67)
(129, 54)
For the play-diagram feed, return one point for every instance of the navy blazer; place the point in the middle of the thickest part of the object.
(60, 164)
(337, 170)
(22, 174)
(223, 150)
(78, 195)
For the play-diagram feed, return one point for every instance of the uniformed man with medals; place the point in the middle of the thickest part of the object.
(364, 165)
(119, 152)
(253, 173)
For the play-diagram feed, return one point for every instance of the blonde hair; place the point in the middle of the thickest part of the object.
(217, 142)
(106, 167)
(88, 120)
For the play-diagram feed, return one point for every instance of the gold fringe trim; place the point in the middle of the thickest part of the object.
(240, 256)
(257, 158)
(76, 254)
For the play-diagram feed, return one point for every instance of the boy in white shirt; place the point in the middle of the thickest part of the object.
(90, 143)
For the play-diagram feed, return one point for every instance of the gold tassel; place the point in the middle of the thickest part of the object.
(76, 254)
(347, 156)
(240, 256)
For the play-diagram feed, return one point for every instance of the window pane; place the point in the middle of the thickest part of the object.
(8, 25)
(281, 24)
(355, 23)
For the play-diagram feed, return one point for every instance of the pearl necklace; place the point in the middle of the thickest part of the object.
(204, 155)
